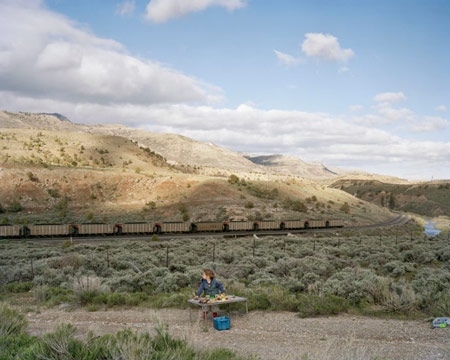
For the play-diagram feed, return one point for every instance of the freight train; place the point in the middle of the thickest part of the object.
(143, 228)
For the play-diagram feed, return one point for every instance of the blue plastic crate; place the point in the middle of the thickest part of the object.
(221, 323)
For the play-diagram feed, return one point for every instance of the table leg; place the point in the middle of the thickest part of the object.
(229, 309)
(190, 314)
(246, 307)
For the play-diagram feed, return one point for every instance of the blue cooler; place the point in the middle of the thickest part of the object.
(221, 323)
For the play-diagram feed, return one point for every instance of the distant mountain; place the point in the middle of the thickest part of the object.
(177, 148)
(294, 166)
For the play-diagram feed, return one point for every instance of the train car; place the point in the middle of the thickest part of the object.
(292, 224)
(133, 228)
(240, 225)
(334, 223)
(208, 226)
(268, 225)
(48, 230)
(174, 227)
(91, 229)
(10, 231)
(316, 223)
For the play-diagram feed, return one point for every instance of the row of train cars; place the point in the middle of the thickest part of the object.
(49, 230)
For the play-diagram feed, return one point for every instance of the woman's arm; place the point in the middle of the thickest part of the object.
(220, 286)
(200, 290)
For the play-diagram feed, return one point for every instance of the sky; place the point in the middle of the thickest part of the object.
(351, 84)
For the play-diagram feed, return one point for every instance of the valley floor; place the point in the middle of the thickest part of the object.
(270, 335)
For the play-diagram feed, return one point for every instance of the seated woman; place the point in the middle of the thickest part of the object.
(210, 287)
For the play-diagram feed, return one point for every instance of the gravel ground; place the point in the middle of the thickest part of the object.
(270, 335)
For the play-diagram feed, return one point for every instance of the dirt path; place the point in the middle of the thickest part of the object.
(271, 335)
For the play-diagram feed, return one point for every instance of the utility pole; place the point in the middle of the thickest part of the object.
(167, 256)
(32, 268)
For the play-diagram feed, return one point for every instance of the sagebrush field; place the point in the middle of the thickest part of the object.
(380, 271)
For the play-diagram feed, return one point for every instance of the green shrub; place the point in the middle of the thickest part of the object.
(311, 305)
(86, 288)
(54, 193)
(14, 206)
(11, 322)
(17, 287)
(66, 244)
(233, 179)
(249, 205)
(345, 208)
(117, 299)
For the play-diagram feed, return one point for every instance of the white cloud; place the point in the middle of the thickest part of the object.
(406, 119)
(126, 7)
(390, 97)
(430, 123)
(311, 136)
(442, 108)
(325, 46)
(392, 115)
(47, 55)
(286, 59)
(160, 11)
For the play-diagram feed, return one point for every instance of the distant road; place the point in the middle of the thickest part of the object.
(397, 221)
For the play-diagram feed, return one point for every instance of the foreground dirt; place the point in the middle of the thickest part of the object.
(269, 335)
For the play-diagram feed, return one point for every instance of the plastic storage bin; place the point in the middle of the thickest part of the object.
(221, 323)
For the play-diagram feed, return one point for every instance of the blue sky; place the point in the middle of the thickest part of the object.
(359, 84)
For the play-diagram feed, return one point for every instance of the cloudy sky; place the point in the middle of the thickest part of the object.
(356, 84)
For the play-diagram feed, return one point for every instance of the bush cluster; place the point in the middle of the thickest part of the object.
(397, 274)
(126, 344)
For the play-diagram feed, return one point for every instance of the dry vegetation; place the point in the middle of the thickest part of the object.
(321, 275)
(426, 198)
(57, 177)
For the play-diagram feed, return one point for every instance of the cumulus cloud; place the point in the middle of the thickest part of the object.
(160, 11)
(390, 97)
(47, 55)
(125, 8)
(406, 119)
(325, 46)
(430, 123)
(442, 108)
(286, 59)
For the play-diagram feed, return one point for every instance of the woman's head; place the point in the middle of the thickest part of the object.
(208, 273)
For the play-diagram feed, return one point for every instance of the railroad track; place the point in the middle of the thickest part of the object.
(397, 221)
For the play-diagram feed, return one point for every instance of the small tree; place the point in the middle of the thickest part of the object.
(249, 205)
(233, 179)
(14, 206)
(345, 208)
(391, 201)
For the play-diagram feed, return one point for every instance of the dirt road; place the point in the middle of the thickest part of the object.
(270, 335)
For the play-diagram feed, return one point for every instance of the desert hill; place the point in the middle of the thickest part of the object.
(178, 149)
(70, 176)
(423, 198)
(294, 166)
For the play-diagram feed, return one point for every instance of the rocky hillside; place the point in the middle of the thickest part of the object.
(177, 149)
